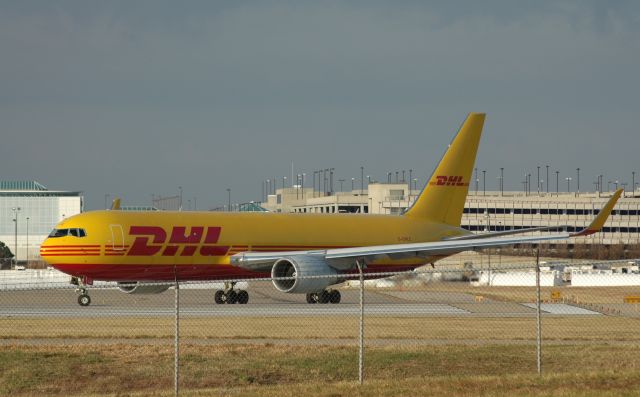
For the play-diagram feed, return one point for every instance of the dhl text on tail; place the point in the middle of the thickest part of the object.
(137, 247)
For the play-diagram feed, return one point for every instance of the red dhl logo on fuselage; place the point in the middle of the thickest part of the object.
(442, 180)
(151, 240)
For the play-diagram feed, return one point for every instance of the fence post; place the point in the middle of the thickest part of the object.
(538, 322)
(361, 343)
(176, 368)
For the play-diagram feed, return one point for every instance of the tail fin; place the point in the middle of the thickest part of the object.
(442, 199)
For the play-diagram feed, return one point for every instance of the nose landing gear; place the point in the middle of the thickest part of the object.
(84, 299)
(83, 295)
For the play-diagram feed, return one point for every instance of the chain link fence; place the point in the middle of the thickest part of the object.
(462, 321)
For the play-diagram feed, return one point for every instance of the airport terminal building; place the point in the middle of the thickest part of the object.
(484, 210)
(28, 213)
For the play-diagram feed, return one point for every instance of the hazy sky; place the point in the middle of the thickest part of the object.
(135, 98)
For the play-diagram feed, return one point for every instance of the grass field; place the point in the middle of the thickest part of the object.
(269, 370)
(573, 328)
(446, 355)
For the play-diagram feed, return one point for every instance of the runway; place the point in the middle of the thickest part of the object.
(265, 302)
(244, 311)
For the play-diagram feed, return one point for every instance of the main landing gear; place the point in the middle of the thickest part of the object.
(330, 296)
(230, 295)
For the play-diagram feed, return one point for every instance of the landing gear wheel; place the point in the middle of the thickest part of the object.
(334, 296)
(243, 297)
(324, 296)
(84, 300)
(312, 298)
(232, 297)
(219, 297)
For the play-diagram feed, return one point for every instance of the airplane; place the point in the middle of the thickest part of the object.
(137, 249)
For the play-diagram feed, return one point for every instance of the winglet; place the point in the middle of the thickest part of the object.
(116, 204)
(604, 213)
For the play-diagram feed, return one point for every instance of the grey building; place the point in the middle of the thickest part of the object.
(28, 213)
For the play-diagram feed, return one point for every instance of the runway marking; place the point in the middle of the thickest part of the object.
(561, 308)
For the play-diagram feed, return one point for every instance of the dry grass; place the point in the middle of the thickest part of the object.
(267, 370)
(602, 328)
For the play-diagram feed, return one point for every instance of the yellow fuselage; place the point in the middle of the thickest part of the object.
(124, 246)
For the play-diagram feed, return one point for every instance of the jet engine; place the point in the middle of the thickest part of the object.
(136, 287)
(304, 272)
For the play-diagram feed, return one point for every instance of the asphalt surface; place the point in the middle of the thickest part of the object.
(264, 301)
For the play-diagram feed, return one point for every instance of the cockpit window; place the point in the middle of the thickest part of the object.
(68, 232)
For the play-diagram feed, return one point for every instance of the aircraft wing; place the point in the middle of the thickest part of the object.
(344, 258)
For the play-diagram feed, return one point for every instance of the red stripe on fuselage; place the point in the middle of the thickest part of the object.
(71, 246)
(151, 272)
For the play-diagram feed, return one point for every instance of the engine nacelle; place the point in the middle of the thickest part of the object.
(136, 287)
(299, 268)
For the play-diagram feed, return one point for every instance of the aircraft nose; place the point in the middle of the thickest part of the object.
(47, 251)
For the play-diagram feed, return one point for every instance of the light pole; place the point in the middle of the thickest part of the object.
(15, 242)
(331, 180)
(489, 252)
(600, 184)
(484, 182)
(633, 183)
(568, 183)
(180, 188)
(326, 181)
(538, 180)
(268, 190)
(352, 182)
(229, 199)
(547, 178)
(388, 177)
(314, 183)
(501, 181)
(27, 241)
(578, 182)
(476, 179)
(557, 189)
(341, 181)
(303, 175)
(361, 180)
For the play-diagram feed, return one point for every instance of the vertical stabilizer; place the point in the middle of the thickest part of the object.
(442, 199)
